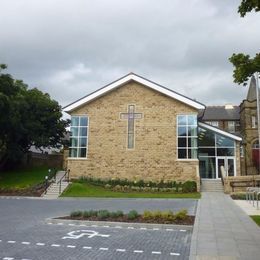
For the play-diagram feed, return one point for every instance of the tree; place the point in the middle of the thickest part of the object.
(245, 66)
(27, 117)
(247, 6)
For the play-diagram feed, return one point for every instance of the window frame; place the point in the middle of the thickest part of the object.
(188, 149)
(78, 136)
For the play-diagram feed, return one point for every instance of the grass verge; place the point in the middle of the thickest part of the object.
(256, 218)
(87, 190)
(21, 179)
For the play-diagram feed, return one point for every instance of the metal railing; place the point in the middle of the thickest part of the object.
(252, 195)
(65, 177)
(49, 178)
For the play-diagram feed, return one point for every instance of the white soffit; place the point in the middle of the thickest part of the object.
(219, 131)
(140, 80)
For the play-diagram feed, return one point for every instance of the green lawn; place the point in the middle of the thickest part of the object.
(256, 218)
(18, 179)
(87, 190)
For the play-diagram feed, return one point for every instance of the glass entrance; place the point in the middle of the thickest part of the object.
(228, 166)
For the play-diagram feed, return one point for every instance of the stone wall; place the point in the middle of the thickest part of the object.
(240, 179)
(155, 154)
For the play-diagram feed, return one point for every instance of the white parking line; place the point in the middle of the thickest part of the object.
(103, 248)
(87, 247)
(8, 258)
(55, 245)
(118, 227)
(175, 254)
(71, 224)
(143, 228)
(106, 226)
(130, 227)
(169, 229)
(40, 244)
(26, 243)
(120, 250)
(138, 251)
(155, 228)
(60, 224)
(183, 230)
(156, 252)
(11, 242)
(70, 246)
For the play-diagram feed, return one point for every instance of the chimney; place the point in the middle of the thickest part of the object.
(229, 106)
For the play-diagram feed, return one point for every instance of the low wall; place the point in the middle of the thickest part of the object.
(252, 180)
(39, 159)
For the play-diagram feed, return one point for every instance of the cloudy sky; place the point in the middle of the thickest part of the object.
(70, 48)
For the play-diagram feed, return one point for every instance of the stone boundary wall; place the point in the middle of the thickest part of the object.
(252, 179)
(38, 159)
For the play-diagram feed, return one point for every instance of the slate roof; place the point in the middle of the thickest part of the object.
(212, 113)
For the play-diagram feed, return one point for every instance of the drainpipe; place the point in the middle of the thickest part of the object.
(258, 115)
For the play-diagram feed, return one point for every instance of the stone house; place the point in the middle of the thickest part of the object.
(136, 129)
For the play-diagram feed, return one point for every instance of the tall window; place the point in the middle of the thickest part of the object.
(253, 119)
(78, 136)
(231, 126)
(187, 136)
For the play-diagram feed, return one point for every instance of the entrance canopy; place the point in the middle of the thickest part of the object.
(216, 148)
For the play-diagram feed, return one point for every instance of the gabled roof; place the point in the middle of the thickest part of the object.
(219, 131)
(221, 113)
(133, 77)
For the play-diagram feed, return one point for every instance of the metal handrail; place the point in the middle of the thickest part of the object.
(65, 177)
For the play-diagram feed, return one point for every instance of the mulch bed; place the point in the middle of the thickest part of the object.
(187, 221)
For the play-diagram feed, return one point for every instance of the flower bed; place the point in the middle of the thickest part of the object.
(155, 217)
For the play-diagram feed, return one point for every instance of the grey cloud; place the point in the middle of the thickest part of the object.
(70, 48)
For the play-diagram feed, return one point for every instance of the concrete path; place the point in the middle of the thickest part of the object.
(223, 231)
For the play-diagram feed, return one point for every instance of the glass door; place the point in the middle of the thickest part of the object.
(228, 166)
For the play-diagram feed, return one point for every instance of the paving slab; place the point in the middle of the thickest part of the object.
(223, 230)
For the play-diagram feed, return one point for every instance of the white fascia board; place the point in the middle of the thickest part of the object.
(142, 81)
(219, 131)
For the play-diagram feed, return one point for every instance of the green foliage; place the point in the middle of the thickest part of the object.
(133, 214)
(117, 214)
(27, 117)
(181, 215)
(103, 214)
(141, 185)
(76, 214)
(245, 67)
(247, 6)
(238, 196)
(189, 186)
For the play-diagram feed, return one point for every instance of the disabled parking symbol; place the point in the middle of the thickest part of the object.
(82, 233)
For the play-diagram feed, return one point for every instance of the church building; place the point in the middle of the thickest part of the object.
(136, 129)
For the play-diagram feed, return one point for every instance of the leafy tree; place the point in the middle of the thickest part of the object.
(27, 117)
(245, 66)
(247, 6)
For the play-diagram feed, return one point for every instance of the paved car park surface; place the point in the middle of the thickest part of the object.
(27, 232)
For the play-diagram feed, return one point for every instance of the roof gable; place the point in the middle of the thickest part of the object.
(118, 83)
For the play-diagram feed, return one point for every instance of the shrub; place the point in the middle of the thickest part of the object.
(133, 214)
(108, 186)
(238, 196)
(157, 215)
(147, 214)
(86, 214)
(93, 213)
(75, 214)
(117, 214)
(167, 215)
(181, 215)
(103, 214)
(189, 186)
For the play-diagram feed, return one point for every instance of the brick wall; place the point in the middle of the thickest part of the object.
(154, 156)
